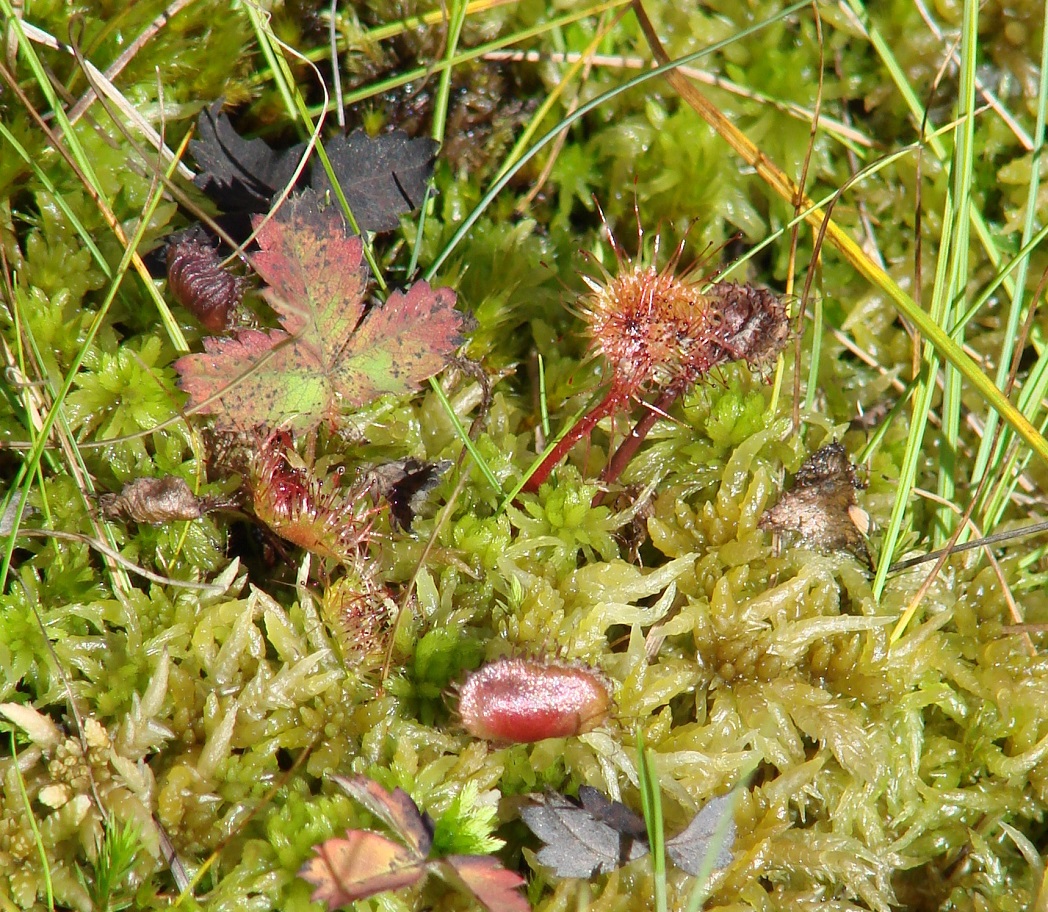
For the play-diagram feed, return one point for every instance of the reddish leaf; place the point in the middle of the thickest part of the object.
(327, 356)
(361, 865)
(396, 810)
(484, 877)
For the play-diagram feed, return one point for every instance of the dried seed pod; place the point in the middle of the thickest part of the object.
(154, 500)
(525, 700)
(821, 505)
(752, 324)
(200, 283)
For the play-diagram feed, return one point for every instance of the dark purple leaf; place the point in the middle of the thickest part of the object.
(577, 844)
(688, 849)
(239, 175)
(598, 835)
(382, 177)
(614, 813)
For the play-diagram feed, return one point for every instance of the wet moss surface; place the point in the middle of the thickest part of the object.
(874, 775)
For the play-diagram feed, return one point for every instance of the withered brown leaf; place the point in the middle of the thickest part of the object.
(155, 500)
(821, 505)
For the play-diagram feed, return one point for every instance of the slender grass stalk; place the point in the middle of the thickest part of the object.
(913, 101)
(664, 68)
(543, 401)
(551, 99)
(440, 102)
(1033, 391)
(952, 301)
(45, 866)
(938, 338)
(463, 434)
(60, 201)
(475, 53)
(384, 32)
(651, 802)
(39, 444)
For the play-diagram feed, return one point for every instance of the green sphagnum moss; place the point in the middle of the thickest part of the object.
(910, 774)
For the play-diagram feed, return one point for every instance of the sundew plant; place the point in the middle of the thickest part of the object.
(691, 354)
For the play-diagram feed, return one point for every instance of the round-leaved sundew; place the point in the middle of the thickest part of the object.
(525, 700)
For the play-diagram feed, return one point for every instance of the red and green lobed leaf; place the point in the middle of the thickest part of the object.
(330, 354)
(365, 863)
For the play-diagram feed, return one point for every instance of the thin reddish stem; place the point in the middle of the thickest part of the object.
(628, 448)
(616, 396)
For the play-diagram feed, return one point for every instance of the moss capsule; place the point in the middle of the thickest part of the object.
(519, 700)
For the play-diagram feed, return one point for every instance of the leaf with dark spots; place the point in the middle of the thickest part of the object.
(360, 865)
(329, 353)
(383, 177)
(493, 886)
(404, 484)
(395, 809)
(400, 343)
(239, 175)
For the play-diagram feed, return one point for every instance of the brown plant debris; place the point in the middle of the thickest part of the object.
(156, 500)
(821, 505)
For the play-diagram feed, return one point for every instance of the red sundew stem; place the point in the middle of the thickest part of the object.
(616, 396)
(628, 448)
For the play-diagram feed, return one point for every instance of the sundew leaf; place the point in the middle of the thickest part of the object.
(330, 354)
